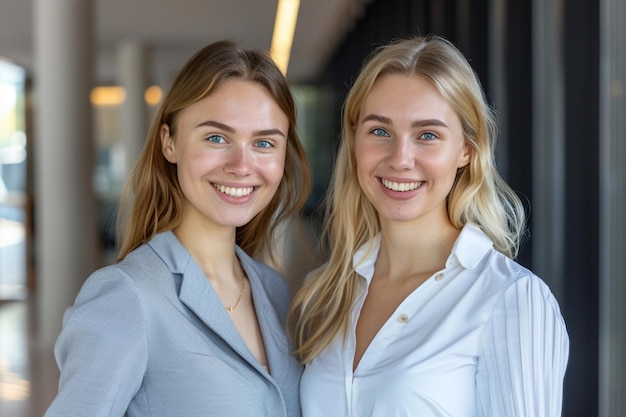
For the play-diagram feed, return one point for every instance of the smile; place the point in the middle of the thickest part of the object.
(401, 186)
(236, 192)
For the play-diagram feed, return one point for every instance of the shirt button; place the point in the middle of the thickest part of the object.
(403, 318)
(439, 276)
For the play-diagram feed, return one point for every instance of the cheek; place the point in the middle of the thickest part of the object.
(365, 179)
(443, 164)
(194, 168)
(277, 171)
(362, 161)
(199, 164)
(273, 170)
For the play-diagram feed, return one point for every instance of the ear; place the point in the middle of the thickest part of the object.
(168, 146)
(465, 157)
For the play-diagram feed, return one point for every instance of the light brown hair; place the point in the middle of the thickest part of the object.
(152, 200)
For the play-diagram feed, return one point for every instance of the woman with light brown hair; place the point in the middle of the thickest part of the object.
(188, 322)
(420, 309)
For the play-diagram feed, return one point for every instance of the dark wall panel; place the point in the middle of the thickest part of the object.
(519, 108)
(581, 308)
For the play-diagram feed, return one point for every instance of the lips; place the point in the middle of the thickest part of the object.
(236, 192)
(401, 186)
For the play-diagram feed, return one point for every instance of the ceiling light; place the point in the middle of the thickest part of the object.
(153, 95)
(115, 95)
(284, 29)
(107, 96)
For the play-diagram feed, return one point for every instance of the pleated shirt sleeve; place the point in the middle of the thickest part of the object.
(523, 354)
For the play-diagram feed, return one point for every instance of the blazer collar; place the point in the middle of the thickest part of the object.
(197, 294)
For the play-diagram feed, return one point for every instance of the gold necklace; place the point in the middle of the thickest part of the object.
(243, 285)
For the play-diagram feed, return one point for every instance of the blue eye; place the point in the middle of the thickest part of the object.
(428, 136)
(264, 144)
(216, 139)
(380, 132)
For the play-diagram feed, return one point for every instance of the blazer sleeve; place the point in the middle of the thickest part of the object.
(524, 353)
(102, 349)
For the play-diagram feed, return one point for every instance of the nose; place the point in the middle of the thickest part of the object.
(238, 161)
(401, 154)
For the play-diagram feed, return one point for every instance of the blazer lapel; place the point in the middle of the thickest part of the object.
(197, 294)
(277, 347)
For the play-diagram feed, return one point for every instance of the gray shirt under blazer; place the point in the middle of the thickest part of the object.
(149, 337)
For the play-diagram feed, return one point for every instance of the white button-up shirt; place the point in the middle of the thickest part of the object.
(482, 337)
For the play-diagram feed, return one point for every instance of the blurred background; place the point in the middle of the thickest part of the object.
(80, 80)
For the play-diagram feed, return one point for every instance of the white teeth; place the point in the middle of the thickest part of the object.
(234, 192)
(400, 186)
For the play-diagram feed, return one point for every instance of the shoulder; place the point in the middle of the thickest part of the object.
(115, 284)
(516, 290)
(474, 251)
(163, 253)
(108, 302)
(506, 272)
(138, 270)
(500, 278)
(142, 261)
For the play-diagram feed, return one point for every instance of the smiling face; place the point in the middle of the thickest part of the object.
(408, 146)
(230, 150)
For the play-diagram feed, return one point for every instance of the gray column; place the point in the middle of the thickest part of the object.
(548, 208)
(497, 81)
(65, 207)
(133, 77)
(612, 332)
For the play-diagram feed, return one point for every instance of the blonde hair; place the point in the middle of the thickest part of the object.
(152, 199)
(321, 309)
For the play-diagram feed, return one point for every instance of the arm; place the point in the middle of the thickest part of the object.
(102, 349)
(524, 353)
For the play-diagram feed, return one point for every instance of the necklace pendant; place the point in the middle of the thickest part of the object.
(243, 285)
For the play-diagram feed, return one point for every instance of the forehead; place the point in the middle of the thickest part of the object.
(408, 88)
(410, 97)
(236, 99)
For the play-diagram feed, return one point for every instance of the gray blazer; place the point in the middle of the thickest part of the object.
(149, 337)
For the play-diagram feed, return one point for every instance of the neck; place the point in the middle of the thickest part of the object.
(409, 249)
(213, 248)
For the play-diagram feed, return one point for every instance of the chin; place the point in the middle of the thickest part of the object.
(237, 221)
(390, 215)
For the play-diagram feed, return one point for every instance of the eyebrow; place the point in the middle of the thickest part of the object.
(222, 126)
(417, 123)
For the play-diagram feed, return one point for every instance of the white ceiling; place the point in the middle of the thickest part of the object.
(174, 29)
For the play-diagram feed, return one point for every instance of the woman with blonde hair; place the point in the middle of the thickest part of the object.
(420, 309)
(188, 323)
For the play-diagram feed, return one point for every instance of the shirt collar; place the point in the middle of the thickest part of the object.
(364, 260)
(471, 246)
(469, 249)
